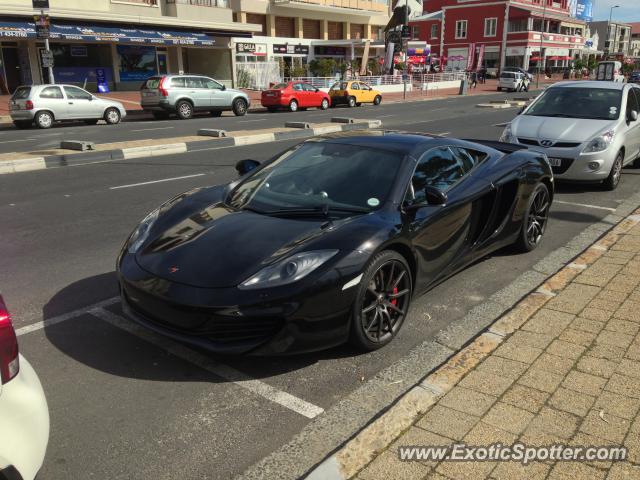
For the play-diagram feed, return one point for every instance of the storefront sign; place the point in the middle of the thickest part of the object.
(101, 80)
(40, 4)
(42, 26)
(515, 51)
(471, 56)
(47, 58)
(330, 51)
(557, 52)
(291, 49)
(480, 63)
(257, 49)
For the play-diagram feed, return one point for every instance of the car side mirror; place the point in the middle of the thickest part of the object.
(633, 116)
(245, 166)
(224, 87)
(317, 90)
(435, 196)
(521, 111)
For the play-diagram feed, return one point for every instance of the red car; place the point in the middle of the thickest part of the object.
(294, 95)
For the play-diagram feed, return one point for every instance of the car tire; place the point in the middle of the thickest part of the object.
(293, 106)
(351, 102)
(377, 100)
(22, 124)
(324, 104)
(112, 116)
(380, 298)
(216, 113)
(239, 107)
(613, 180)
(44, 119)
(535, 219)
(160, 115)
(184, 109)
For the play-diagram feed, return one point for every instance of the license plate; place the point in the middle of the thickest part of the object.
(555, 162)
(148, 94)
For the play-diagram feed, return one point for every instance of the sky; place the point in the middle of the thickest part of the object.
(629, 10)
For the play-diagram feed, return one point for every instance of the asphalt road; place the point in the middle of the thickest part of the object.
(128, 404)
(142, 127)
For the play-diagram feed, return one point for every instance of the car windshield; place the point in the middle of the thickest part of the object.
(321, 175)
(21, 93)
(582, 102)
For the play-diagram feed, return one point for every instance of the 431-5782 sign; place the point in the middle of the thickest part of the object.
(40, 4)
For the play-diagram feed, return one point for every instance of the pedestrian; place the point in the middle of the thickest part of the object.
(474, 79)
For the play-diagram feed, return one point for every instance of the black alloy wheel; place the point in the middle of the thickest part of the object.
(382, 302)
(535, 221)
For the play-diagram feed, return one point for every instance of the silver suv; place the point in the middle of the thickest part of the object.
(186, 94)
(46, 104)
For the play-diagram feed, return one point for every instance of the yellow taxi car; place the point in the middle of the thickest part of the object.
(353, 93)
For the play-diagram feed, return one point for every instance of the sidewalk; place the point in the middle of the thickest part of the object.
(563, 367)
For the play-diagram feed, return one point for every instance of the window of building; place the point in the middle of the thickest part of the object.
(461, 29)
(137, 62)
(434, 30)
(490, 27)
(415, 32)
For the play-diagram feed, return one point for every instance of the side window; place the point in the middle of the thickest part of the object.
(297, 87)
(211, 84)
(355, 86)
(178, 82)
(364, 86)
(632, 101)
(308, 88)
(51, 92)
(76, 93)
(439, 168)
(193, 82)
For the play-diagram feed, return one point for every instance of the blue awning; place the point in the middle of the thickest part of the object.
(94, 33)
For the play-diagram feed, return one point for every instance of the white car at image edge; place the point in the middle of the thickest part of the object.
(24, 415)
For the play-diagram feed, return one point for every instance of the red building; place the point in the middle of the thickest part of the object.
(453, 26)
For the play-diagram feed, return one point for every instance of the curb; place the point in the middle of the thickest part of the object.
(400, 387)
(361, 449)
(83, 158)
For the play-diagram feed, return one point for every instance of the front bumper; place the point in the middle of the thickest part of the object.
(575, 165)
(289, 319)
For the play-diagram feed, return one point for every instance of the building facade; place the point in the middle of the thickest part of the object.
(615, 37)
(522, 33)
(126, 41)
(634, 48)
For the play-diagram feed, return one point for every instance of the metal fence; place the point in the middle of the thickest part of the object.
(416, 79)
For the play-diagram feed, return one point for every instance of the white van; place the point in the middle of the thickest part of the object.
(610, 71)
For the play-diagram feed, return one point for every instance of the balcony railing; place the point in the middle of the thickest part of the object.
(200, 3)
(150, 3)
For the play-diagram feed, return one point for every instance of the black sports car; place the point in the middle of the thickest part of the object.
(329, 241)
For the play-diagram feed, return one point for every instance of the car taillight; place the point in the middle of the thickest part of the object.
(345, 94)
(163, 91)
(28, 105)
(9, 362)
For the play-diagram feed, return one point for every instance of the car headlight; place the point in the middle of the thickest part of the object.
(141, 232)
(289, 270)
(601, 143)
(507, 136)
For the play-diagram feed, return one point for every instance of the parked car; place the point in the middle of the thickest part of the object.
(635, 77)
(328, 241)
(512, 81)
(588, 129)
(24, 415)
(186, 94)
(294, 95)
(519, 70)
(46, 104)
(353, 94)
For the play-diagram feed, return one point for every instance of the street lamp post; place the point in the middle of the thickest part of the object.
(609, 30)
(544, 18)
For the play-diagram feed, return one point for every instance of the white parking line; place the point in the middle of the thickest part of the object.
(203, 361)
(585, 205)
(157, 181)
(149, 129)
(15, 141)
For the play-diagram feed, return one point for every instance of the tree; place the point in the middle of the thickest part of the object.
(323, 67)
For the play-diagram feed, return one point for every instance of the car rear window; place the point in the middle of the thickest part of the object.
(21, 93)
(152, 83)
(507, 75)
(280, 86)
(340, 86)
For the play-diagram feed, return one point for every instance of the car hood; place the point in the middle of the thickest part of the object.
(558, 129)
(216, 246)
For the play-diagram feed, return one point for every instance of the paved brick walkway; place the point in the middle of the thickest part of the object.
(569, 374)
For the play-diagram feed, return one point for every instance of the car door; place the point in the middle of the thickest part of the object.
(367, 93)
(313, 98)
(198, 92)
(632, 140)
(299, 94)
(354, 91)
(440, 233)
(217, 94)
(81, 104)
(52, 98)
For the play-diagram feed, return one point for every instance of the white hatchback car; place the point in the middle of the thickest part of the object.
(24, 415)
(588, 130)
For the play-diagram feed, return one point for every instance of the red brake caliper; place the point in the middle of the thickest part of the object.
(394, 302)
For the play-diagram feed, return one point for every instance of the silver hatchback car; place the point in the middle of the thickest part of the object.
(588, 130)
(186, 94)
(46, 104)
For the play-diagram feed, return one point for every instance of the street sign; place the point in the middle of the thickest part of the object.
(42, 26)
(40, 4)
(47, 58)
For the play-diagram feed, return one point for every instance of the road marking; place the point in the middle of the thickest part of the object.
(156, 181)
(249, 121)
(207, 363)
(149, 129)
(385, 116)
(14, 141)
(585, 205)
(64, 317)
(504, 124)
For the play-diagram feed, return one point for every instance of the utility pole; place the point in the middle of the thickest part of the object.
(43, 27)
(544, 18)
(48, 50)
(608, 50)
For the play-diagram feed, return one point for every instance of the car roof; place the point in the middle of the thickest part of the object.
(591, 84)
